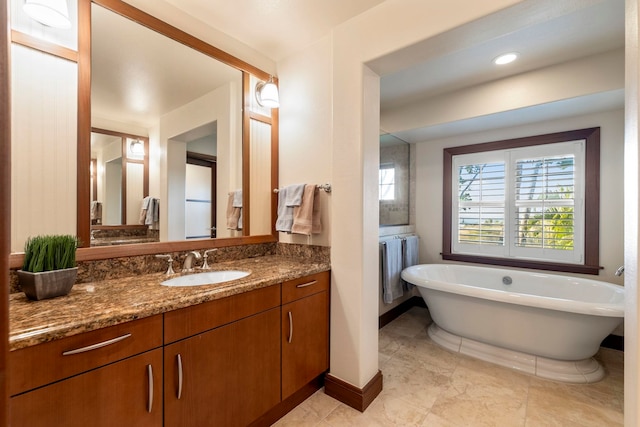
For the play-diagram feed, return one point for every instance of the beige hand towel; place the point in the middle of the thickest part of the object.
(316, 225)
(303, 214)
(233, 214)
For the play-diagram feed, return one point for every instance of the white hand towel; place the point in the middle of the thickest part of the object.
(285, 213)
(391, 267)
(409, 255)
(294, 194)
(237, 199)
(410, 251)
(288, 197)
(144, 209)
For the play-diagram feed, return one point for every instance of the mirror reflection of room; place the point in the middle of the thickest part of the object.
(394, 180)
(188, 107)
(121, 209)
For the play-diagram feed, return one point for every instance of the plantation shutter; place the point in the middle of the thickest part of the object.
(481, 204)
(545, 202)
(520, 203)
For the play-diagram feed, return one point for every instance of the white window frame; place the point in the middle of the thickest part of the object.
(387, 166)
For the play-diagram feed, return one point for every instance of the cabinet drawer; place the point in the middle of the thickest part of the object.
(304, 286)
(189, 321)
(43, 364)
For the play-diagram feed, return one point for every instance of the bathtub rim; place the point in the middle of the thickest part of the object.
(552, 303)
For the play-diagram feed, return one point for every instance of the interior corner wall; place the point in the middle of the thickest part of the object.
(352, 138)
(429, 183)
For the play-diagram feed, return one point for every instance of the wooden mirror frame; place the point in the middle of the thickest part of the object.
(84, 132)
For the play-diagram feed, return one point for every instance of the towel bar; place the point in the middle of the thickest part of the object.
(323, 187)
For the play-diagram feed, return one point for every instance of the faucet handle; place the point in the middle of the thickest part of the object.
(169, 259)
(205, 264)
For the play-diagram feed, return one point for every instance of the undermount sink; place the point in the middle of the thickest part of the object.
(206, 278)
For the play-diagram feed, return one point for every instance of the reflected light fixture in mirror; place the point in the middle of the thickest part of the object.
(53, 13)
(136, 148)
(267, 94)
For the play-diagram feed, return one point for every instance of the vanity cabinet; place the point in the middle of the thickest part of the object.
(241, 360)
(305, 331)
(228, 374)
(108, 377)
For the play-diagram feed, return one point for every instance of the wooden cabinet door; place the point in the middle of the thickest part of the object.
(126, 393)
(225, 377)
(305, 341)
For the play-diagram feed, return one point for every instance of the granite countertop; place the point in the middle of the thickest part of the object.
(96, 305)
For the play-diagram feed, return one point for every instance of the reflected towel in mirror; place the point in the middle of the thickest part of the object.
(234, 210)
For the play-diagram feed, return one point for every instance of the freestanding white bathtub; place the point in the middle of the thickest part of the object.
(543, 324)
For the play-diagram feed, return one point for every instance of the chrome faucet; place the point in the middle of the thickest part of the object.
(205, 264)
(169, 259)
(619, 271)
(187, 266)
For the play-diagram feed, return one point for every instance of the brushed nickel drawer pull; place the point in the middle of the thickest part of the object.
(290, 327)
(304, 285)
(96, 346)
(150, 376)
(179, 376)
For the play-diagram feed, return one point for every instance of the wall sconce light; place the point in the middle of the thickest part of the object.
(267, 94)
(53, 13)
(136, 147)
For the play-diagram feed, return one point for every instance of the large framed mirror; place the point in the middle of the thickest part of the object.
(192, 105)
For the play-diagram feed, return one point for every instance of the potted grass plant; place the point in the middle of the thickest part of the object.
(49, 268)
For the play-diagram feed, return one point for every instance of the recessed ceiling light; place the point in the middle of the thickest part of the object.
(506, 58)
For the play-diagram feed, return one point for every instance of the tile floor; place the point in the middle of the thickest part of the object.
(425, 385)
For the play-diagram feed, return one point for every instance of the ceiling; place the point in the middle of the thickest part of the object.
(277, 28)
(543, 32)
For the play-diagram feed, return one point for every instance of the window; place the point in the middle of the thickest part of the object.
(530, 202)
(387, 180)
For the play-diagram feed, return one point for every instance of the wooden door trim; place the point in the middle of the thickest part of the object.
(5, 211)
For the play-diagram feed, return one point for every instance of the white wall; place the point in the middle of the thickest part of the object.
(585, 76)
(305, 129)
(351, 126)
(43, 149)
(429, 183)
